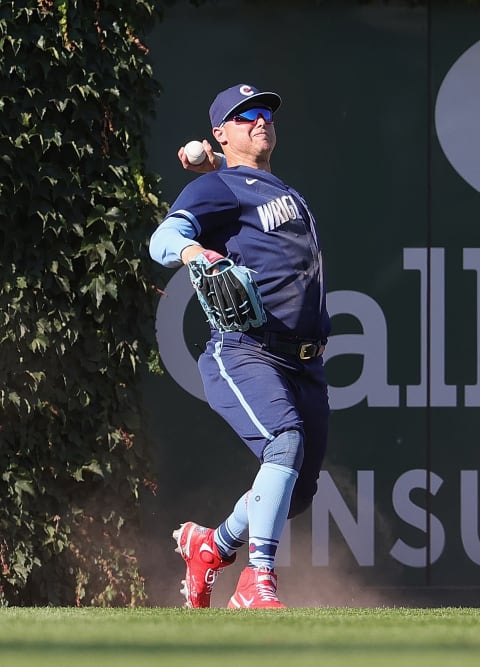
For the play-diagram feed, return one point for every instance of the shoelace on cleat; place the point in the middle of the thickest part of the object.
(267, 590)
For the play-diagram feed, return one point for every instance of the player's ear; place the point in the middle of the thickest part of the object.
(219, 134)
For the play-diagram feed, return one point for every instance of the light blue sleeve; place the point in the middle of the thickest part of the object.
(170, 238)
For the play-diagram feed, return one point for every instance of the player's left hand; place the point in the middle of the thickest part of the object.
(227, 293)
(211, 163)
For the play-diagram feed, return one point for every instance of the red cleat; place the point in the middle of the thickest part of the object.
(204, 563)
(256, 589)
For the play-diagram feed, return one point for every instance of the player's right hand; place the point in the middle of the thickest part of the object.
(211, 162)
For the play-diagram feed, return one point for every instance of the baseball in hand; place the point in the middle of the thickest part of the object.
(195, 152)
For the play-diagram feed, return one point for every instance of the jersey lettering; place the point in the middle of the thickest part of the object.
(276, 212)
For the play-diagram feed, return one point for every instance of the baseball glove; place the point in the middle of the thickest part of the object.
(227, 293)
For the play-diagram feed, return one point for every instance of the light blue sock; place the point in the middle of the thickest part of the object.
(233, 532)
(268, 506)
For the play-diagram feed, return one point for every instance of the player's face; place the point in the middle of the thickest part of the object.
(250, 139)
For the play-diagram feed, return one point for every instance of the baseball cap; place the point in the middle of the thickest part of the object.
(239, 97)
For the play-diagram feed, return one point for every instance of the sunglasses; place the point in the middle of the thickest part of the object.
(251, 115)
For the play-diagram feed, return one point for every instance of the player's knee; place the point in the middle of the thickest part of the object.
(286, 450)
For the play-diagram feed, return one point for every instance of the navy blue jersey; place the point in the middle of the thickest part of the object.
(258, 221)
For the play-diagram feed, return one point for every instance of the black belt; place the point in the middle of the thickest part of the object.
(294, 347)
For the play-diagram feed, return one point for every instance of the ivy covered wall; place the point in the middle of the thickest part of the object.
(77, 297)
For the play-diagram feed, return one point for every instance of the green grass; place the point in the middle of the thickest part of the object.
(322, 637)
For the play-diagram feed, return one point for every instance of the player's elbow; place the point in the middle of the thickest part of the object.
(160, 252)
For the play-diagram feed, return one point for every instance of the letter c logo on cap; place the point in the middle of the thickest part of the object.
(246, 90)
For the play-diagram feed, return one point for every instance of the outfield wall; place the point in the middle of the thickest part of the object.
(379, 131)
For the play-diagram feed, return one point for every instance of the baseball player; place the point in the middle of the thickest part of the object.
(264, 377)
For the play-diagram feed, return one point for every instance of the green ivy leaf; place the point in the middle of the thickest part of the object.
(24, 486)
